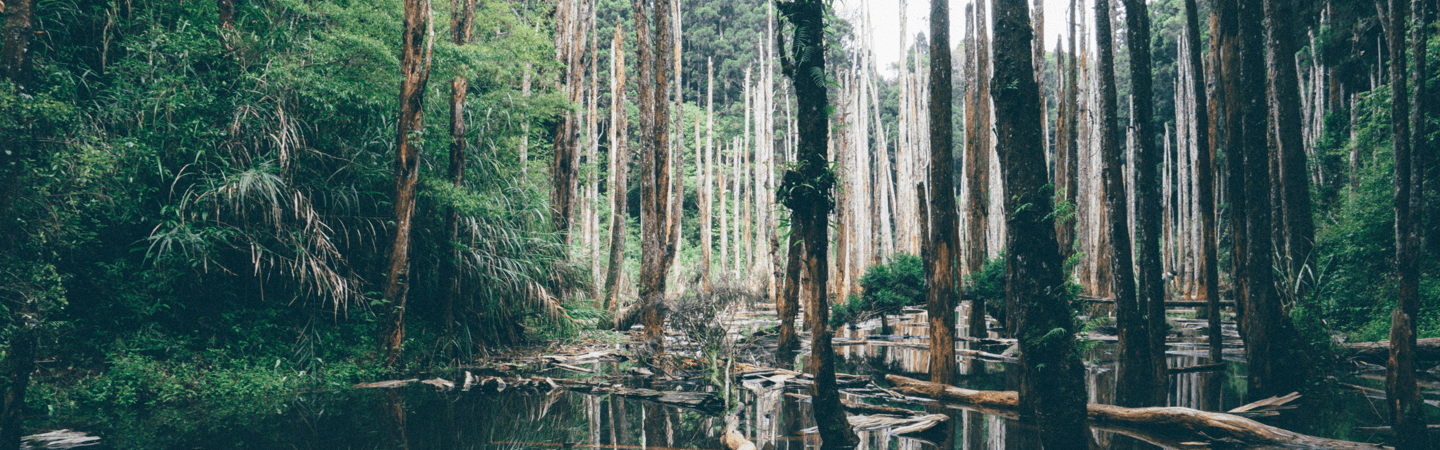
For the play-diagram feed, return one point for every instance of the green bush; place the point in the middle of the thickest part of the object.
(988, 284)
(887, 288)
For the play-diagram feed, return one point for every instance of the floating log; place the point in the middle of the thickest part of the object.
(59, 439)
(389, 384)
(1267, 407)
(1213, 367)
(440, 383)
(1168, 427)
(1186, 303)
(1427, 349)
(1387, 431)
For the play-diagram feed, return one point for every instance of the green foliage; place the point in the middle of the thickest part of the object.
(887, 288)
(988, 284)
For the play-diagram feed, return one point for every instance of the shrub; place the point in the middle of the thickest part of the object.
(886, 289)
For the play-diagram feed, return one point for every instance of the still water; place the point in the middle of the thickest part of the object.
(422, 417)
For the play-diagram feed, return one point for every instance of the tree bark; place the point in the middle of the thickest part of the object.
(1274, 369)
(1402, 391)
(940, 263)
(657, 233)
(977, 150)
(1052, 387)
(1205, 181)
(1151, 284)
(564, 168)
(417, 42)
(1135, 370)
(462, 17)
(619, 171)
(808, 192)
(1294, 175)
(788, 305)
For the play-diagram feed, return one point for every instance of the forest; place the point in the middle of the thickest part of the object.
(719, 224)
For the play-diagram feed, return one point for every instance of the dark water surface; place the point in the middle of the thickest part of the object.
(422, 417)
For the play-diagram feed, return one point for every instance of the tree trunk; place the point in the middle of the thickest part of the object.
(619, 171)
(1135, 370)
(417, 42)
(1294, 176)
(707, 175)
(944, 239)
(1274, 369)
(1402, 391)
(1205, 181)
(1228, 125)
(1052, 387)
(1151, 284)
(977, 152)
(19, 362)
(462, 17)
(564, 168)
(656, 251)
(809, 195)
(788, 305)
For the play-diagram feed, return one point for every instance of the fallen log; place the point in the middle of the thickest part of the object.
(1267, 407)
(388, 384)
(1427, 349)
(1168, 427)
(1214, 367)
(59, 439)
(1387, 431)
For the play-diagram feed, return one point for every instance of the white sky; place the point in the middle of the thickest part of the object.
(885, 23)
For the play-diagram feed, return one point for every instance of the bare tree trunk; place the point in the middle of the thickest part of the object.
(1294, 176)
(619, 171)
(1135, 370)
(809, 195)
(1052, 387)
(977, 153)
(1402, 391)
(940, 263)
(1205, 181)
(707, 175)
(462, 17)
(1151, 285)
(656, 251)
(1229, 127)
(564, 168)
(1273, 369)
(418, 40)
(788, 304)
(525, 126)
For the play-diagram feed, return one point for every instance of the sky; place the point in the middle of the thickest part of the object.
(885, 21)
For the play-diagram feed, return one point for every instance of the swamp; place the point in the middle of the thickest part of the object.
(719, 224)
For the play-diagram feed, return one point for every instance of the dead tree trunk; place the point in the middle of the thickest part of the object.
(564, 168)
(940, 263)
(977, 150)
(1402, 391)
(1052, 386)
(462, 16)
(656, 251)
(788, 305)
(1151, 286)
(417, 42)
(619, 171)
(1205, 181)
(1294, 176)
(808, 192)
(1135, 364)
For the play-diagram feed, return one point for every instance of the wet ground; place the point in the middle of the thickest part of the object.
(422, 417)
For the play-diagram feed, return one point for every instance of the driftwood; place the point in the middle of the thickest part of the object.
(389, 384)
(1267, 407)
(1168, 427)
(58, 439)
(440, 383)
(733, 439)
(1387, 431)
(1214, 367)
(1427, 349)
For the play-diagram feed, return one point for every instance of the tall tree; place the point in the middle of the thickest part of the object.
(462, 17)
(1067, 141)
(707, 173)
(1052, 387)
(619, 170)
(977, 148)
(417, 43)
(808, 190)
(1402, 391)
(940, 263)
(19, 359)
(1205, 181)
(1267, 332)
(1294, 177)
(653, 54)
(1151, 284)
(565, 167)
(1135, 365)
